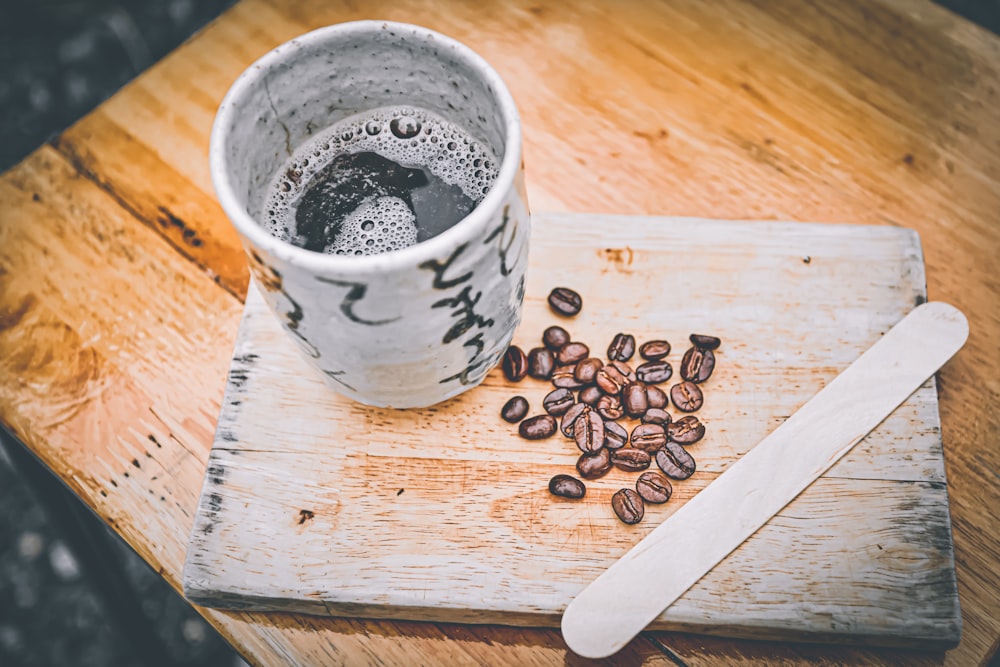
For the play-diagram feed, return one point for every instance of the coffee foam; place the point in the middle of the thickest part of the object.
(410, 136)
(377, 226)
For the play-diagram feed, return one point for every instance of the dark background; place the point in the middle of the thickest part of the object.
(58, 60)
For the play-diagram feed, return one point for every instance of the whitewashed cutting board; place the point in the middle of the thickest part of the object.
(316, 504)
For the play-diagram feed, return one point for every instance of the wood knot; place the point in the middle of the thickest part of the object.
(620, 258)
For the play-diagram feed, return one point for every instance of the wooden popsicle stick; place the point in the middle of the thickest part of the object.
(639, 586)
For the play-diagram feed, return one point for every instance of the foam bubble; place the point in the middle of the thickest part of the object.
(405, 127)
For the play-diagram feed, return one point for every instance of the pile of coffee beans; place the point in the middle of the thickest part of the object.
(592, 397)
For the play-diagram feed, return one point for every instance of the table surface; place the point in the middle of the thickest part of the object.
(121, 282)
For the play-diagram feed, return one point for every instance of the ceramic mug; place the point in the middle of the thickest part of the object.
(407, 328)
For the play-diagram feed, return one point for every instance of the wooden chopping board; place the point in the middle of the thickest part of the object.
(316, 504)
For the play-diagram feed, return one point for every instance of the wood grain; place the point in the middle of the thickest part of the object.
(316, 504)
(868, 112)
(635, 590)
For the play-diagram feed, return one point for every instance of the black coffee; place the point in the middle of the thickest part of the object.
(379, 181)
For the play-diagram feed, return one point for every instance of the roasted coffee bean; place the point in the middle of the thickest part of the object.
(597, 464)
(687, 397)
(654, 372)
(628, 506)
(541, 363)
(697, 364)
(656, 416)
(514, 410)
(558, 401)
(630, 459)
(657, 397)
(590, 394)
(615, 435)
(565, 301)
(588, 432)
(624, 369)
(610, 380)
(704, 342)
(649, 437)
(622, 347)
(555, 337)
(686, 430)
(537, 427)
(634, 399)
(564, 378)
(653, 487)
(586, 370)
(610, 407)
(568, 419)
(515, 364)
(675, 461)
(567, 486)
(654, 350)
(572, 353)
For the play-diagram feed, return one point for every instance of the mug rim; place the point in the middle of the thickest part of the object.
(320, 262)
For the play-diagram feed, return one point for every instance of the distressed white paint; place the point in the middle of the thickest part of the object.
(443, 513)
(634, 591)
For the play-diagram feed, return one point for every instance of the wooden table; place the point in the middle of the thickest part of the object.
(121, 281)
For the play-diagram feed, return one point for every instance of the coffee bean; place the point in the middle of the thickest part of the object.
(630, 459)
(590, 394)
(615, 435)
(568, 419)
(627, 506)
(653, 487)
(610, 407)
(586, 370)
(541, 363)
(656, 416)
(624, 369)
(567, 486)
(687, 397)
(686, 430)
(657, 397)
(697, 365)
(588, 432)
(572, 353)
(649, 437)
(675, 461)
(610, 380)
(537, 427)
(514, 410)
(654, 372)
(622, 347)
(634, 399)
(704, 342)
(565, 301)
(555, 337)
(597, 464)
(515, 364)
(565, 378)
(558, 401)
(654, 350)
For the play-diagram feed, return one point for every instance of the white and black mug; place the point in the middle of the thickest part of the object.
(373, 171)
